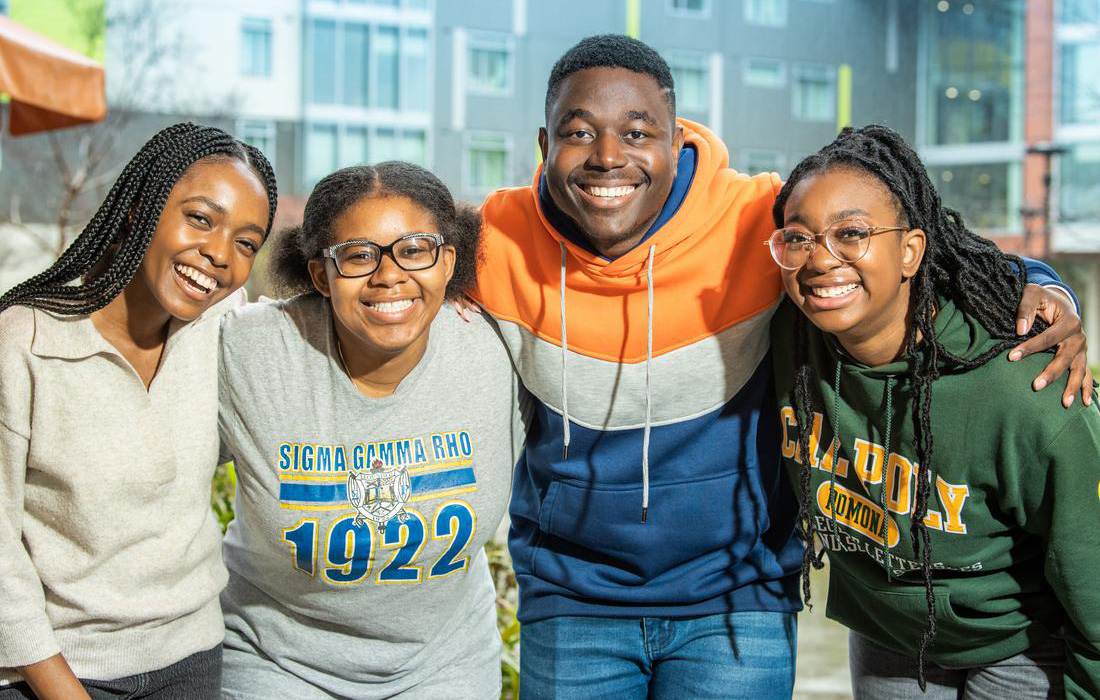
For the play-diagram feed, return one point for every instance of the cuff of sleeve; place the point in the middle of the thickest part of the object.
(26, 642)
(1064, 290)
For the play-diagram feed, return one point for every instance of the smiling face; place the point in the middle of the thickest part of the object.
(388, 312)
(610, 146)
(863, 303)
(206, 239)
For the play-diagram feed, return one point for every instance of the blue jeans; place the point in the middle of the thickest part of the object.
(732, 655)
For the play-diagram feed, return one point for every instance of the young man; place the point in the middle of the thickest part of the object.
(652, 530)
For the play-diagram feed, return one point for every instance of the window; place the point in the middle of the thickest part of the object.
(379, 65)
(1079, 79)
(975, 70)
(757, 161)
(414, 52)
(487, 162)
(491, 64)
(1079, 12)
(814, 92)
(689, 73)
(764, 72)
(981, 193)
(320, 157)
(353, 147)
(1079, 183)
(766, 13)
(260, 134)
(689, 8)
(256, 47)
(385, 57)
(322, 58)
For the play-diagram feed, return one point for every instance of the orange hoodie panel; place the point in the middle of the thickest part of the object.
(710, 270)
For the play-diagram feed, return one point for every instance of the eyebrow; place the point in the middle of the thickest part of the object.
(574, 114)
(832, 218)
(641, 115)
(845, 214)
(222, 212)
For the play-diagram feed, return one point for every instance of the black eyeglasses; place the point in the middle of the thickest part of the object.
(360, 257)
(847, 240)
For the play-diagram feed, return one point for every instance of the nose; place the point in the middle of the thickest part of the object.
(822, 260)
(216, 248)
(388, 273)
(607, 152)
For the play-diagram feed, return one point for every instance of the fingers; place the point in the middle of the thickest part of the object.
(1065, 330)
(1030, 301)
(1077, 371)
(1054, 369)
(1086, 386)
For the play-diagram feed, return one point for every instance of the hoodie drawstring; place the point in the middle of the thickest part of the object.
(648, 393)
(885, 466)
(564, 373)
(648, 373)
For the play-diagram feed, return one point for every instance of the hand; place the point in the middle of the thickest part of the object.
(464, 306)
(1055, 307)
(52, 678)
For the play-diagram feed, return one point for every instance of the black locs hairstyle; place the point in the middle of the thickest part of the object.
(611, 51)
(128, 217)
(460, 224)
(958, 265)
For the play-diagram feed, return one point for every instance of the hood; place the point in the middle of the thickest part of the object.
(960, 334)
(713, 181)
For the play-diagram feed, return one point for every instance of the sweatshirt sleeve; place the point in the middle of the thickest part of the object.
(26, 635)
(1073, 546)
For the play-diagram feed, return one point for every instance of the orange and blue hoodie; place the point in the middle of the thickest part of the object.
(651, 483)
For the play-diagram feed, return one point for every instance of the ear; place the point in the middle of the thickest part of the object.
(544, 142)
(913, 243)
(318, 270)
(677, 137)
(447, 256)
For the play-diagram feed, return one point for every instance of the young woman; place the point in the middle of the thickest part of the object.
(374, 440)
(110, 558)
(958, 506)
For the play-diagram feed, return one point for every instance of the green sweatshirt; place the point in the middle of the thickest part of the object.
(1013, 515)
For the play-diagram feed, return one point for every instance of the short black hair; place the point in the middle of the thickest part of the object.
(611, 51)
(459, 223)
(109, 251)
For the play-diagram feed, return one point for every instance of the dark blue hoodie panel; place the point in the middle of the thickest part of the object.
(720, 530)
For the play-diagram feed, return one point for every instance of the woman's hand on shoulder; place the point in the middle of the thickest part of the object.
(1065, 332)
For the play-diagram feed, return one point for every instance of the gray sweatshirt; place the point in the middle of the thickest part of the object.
(356, 560)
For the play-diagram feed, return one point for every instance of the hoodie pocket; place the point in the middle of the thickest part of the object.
(697, 533)
(897, 617)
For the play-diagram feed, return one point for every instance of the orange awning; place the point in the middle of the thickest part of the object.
(50, 86)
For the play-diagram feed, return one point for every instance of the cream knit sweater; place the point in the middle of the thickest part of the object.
(109, 552)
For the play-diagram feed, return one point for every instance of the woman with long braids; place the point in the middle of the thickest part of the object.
(110, 558)
(374, 440)
(957, 506)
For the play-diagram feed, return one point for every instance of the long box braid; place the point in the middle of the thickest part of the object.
(128, 217)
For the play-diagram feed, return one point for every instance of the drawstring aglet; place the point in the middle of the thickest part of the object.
(565, 451)
(645, 512)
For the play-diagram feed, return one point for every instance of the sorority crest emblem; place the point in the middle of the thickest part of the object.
(379, 494)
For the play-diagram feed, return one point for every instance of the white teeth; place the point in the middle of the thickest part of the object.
(829, 292)
(207, 282)
(610, 192)
(390, 307)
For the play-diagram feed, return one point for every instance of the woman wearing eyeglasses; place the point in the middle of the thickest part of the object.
(959, 508)
(374, 440)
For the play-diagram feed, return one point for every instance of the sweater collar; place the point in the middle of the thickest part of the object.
(685, 173)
